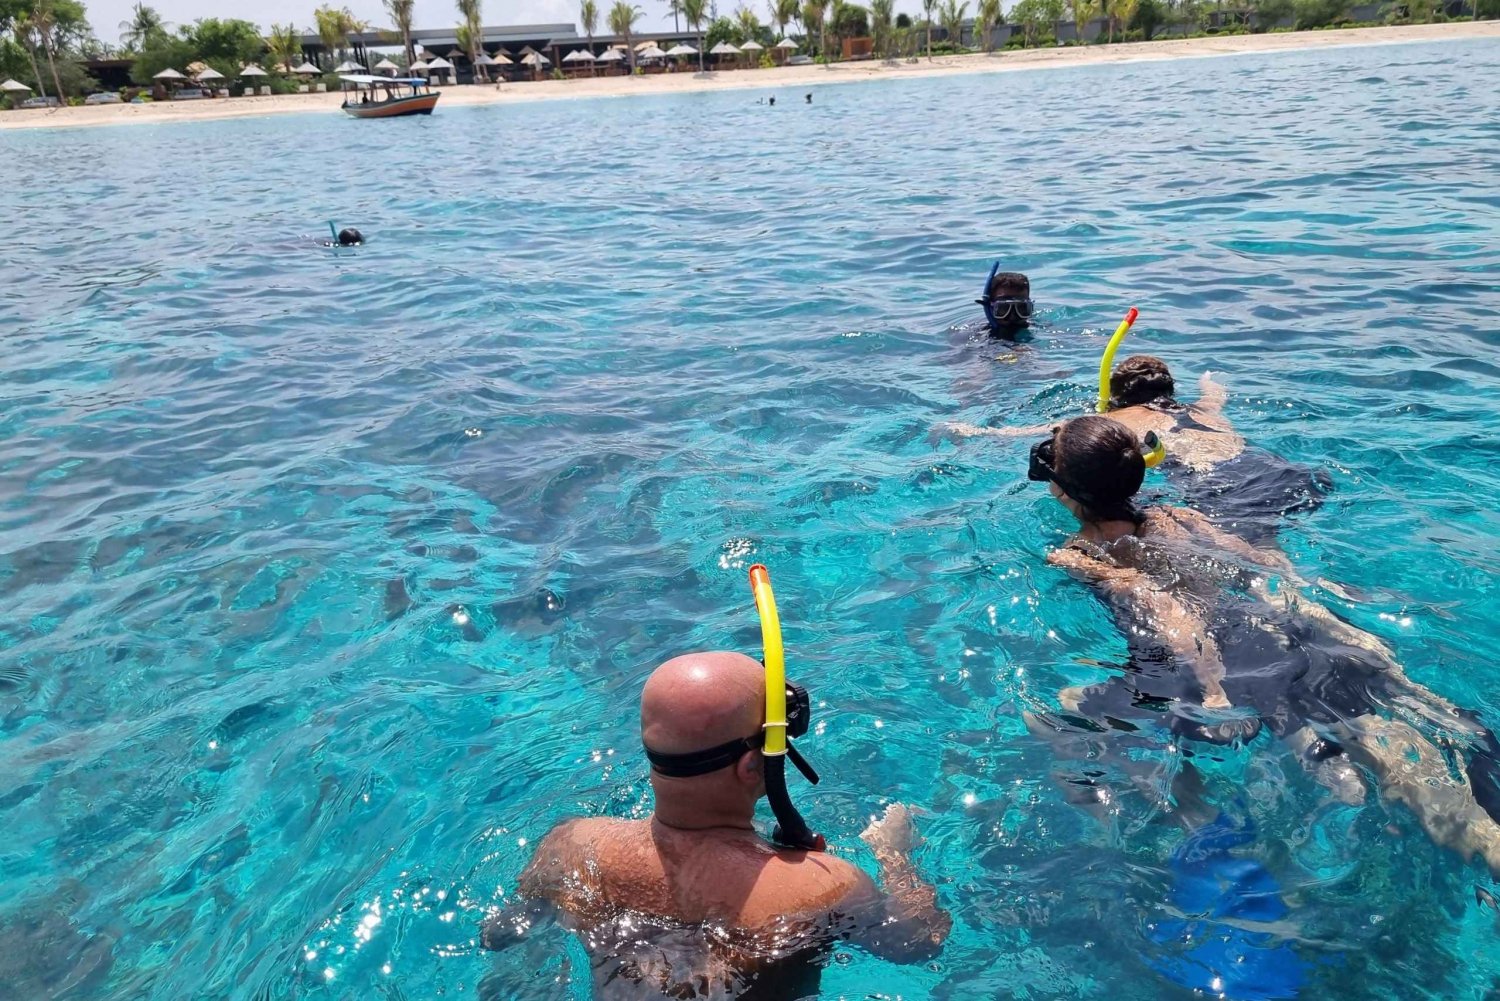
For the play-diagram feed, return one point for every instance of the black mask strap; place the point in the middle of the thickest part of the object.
(694, 763)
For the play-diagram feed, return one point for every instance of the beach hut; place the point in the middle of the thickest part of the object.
(12, 91)
(249, 73)
(581, 56)
(169, 74)
(681, 50)
(307, 70)
(209, 78)
(785, 48)
(652, 54)
(752, 49)
(723, 49)
(536, 61)
(610, 57)
(349, 66)
(442, 67)
(386, 66)
(418, 67)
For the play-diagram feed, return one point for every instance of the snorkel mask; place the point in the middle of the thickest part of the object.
(788, 715)
(1003, 314)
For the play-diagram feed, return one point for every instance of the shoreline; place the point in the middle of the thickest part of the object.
(759, 79)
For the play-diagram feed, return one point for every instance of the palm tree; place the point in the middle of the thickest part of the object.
(588, 14)
(330, 26)
(44, 20)
(881, 13)
(815, 12)
(1083, 12)
(144, 24)
(749, 23)
(694, 12)
(25, 35)
(783, 13)
(675, 6)
(622, 19)
(401, 17)
(928, 7)
(988, 16)
(473, 24)
(953, 21)
(284, 45)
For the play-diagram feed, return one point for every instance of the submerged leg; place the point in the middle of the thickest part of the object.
(1413, 771)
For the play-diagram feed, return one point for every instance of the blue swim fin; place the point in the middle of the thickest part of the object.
(1219, 892)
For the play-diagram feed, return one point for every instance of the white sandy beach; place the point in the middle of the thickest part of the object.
(791, 77)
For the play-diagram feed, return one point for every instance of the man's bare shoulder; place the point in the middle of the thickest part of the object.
(808, 884)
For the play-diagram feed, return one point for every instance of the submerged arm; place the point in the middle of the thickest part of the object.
(975, 431)
(1135, 596)
(905, 923)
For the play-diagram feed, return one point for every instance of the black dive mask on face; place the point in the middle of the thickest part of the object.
(694, 763)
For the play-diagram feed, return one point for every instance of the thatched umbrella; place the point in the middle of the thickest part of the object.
(723, 49)
(169, 74)
(386, 66)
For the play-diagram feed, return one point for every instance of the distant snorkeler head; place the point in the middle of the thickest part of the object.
(1140, 379)
(350, 237)
(1097, 463)
(1007, 301)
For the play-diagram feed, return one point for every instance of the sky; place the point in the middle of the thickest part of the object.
(106, 15)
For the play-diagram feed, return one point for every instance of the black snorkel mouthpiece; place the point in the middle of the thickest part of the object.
(788, 714)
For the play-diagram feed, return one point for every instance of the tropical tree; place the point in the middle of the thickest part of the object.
(401, 12)
(988, 15)
(588, 16)
(953, 21)
(144, 24)
(25, 35)
(783, 13)
(694, 12)
(880, 24)
(1120, 13)
(473, 25)
(674, 7)
(1083, 13)
(928, 8)
(850, 20)
(815, 14)
(44, 19)
(1032, 14)
(284, 45)
(622, 19)
(748, 22)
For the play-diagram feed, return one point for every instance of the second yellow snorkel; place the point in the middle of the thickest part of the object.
(1107, 362)
(791, 829)
(1155, 451)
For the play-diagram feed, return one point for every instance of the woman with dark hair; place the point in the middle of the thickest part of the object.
(1188, 595)
(1245, 489)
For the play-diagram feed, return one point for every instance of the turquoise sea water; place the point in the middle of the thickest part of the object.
(330, 577)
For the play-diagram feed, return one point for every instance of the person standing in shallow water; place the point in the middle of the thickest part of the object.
(693, 902)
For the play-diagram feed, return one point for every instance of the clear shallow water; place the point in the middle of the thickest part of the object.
(246, 749)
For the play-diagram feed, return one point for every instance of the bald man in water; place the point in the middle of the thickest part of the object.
(693, 899)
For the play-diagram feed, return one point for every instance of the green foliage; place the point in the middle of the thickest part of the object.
(230, 42)
(284, 46)
(1320, 13)
(953, 21)
(144, 24)
(1036, 19)
(903, 21)
(749, 24)
(850, 20)
(722, 29)
(1152, 14)
(1269, 12)
(160, 53)
(881, 14)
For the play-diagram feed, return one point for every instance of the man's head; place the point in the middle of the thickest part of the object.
(1140, 379)
(703, 701)
(350, 237)
(1007, 302)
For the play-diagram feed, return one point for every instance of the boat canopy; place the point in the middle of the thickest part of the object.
(367, 79)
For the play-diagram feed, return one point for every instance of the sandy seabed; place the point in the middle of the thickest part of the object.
(791, 77)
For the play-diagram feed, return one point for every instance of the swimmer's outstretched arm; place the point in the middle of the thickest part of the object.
(1135, 596)
(904, 924)
(1211, 394)
(963, 430)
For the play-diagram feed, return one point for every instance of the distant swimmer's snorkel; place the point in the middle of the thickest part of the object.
(788, 713)
(1107, 360)
(1006, 301)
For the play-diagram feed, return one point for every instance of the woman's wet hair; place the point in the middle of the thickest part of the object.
(1099, 464)
(1141, 379)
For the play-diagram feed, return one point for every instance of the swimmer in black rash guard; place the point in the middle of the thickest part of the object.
(1189, 595)
(1242, 488)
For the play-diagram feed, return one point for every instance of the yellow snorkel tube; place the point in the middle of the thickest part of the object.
(1155, 450)
(791, 829)
(1107, 361)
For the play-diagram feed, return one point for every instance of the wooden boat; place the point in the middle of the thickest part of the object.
(386, 96)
